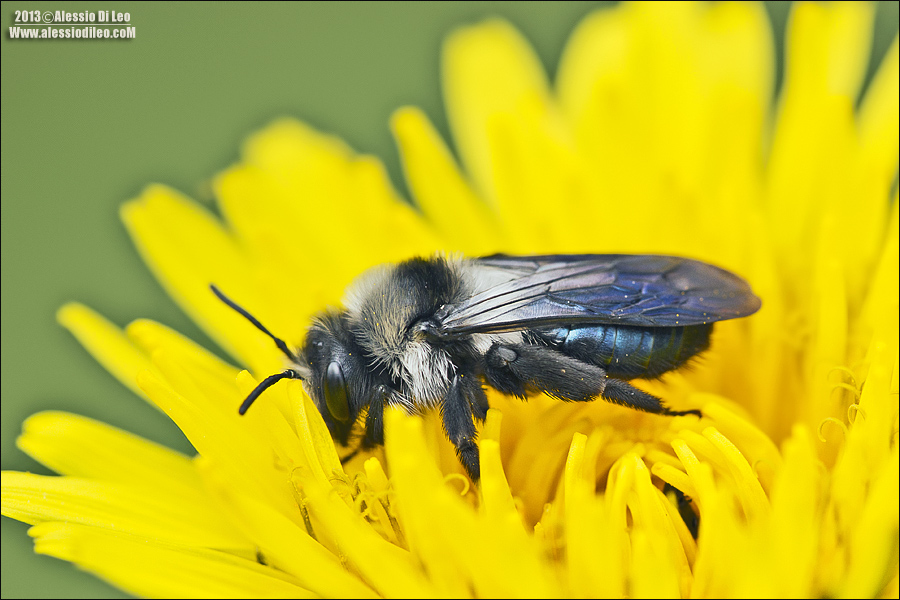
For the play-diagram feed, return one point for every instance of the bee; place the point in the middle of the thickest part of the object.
(430, 333)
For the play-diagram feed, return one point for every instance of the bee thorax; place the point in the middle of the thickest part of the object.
(389, 311)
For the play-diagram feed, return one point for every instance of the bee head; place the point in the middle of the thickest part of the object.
(338, 382)
(330, 365)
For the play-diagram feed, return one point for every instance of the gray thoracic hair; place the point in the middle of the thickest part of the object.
(381, 306)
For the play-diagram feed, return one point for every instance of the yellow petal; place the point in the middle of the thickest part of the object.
(439, 189)
(135, 563)
(518, 563)
(283, 200)
(334, 180)
(420, 495)
(151, 336)
(106, 343)
(792, 544)
(389, 570)
(659, 564)
(700, 474)
(81, 447)
(879, 309)
(874, 543)
(160, 514)
(315, 441)
(237, 448)
(879, 123)
(752, 442)
(289, 547)
(667, 103)
(813, 136)
(188, 249)
(216, 389)
(488, 70)
(828, 47)
(590, 539)
(751, 494)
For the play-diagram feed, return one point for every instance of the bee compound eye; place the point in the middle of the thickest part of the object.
(334, 388)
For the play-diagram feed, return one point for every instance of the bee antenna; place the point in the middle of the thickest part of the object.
(278, 341)
(266, 384)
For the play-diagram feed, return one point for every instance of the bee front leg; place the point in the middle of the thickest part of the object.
(456, 411)
(374, 435)
(375, 418)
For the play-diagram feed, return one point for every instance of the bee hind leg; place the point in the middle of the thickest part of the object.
(457, 413)
(520, 368)
(622, 392)
(514, 369)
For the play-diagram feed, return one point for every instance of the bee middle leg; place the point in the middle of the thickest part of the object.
(462, 399)
(518, 368)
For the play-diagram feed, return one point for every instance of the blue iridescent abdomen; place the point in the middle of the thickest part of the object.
(629, 352)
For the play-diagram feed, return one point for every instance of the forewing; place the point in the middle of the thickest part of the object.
(517, 292)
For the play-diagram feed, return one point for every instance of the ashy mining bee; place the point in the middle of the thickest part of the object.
(431, 332)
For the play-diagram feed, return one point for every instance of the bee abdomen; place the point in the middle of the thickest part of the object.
(630, 352)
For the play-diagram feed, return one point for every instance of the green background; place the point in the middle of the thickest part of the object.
(87, 124)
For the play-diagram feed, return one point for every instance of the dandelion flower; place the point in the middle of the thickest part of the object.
(658, 136)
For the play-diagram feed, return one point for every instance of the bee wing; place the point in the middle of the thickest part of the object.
(518, 292)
